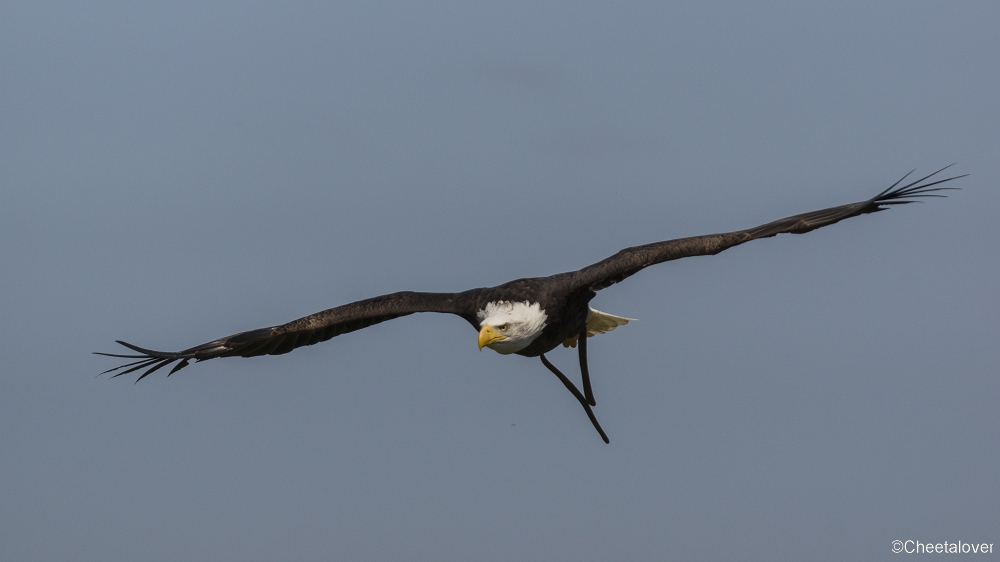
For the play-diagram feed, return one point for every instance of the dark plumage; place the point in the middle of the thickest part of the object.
(563, 297)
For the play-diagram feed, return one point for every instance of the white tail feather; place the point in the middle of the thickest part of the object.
(598, 323)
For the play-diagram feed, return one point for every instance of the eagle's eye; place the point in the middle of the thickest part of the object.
(502, 327)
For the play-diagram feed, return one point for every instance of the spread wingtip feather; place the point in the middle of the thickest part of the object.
(152, 359)
(906, 194)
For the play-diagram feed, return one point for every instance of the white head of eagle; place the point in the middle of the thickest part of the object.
(509, 327)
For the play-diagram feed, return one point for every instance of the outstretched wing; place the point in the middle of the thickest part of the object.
(631, 260)
(276, 340)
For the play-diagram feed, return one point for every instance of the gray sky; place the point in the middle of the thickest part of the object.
(173, 172)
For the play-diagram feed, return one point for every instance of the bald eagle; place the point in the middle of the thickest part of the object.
(529, 317)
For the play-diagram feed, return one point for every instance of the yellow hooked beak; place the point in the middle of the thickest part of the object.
(489, 335)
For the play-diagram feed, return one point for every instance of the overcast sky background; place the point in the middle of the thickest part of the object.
(173, 172)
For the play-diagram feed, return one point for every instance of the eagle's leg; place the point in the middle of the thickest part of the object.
(584, 371)
(576, 393)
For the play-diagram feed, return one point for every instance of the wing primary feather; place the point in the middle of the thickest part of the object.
(149, 352)
(179, 366)
(123, 366)
(118, 355)
(890, 188)
(159, 364)
(136, 368)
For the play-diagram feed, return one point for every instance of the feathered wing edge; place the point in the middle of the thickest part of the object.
(609, 271)
(278, 340)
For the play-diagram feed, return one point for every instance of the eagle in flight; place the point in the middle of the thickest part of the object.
(528, 317)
